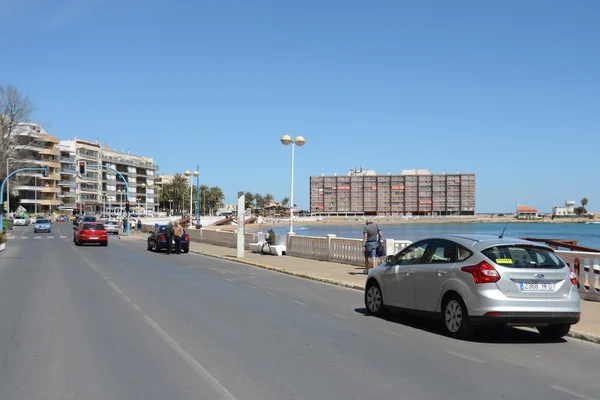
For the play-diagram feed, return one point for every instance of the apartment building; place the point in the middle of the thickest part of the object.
(67, 182)
(140, 173)
(36, 148)
(101, 189)
(412, 192)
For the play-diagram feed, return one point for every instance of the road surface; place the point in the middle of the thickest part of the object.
(120, 322)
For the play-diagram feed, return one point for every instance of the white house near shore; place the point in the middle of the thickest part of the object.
(567, 211)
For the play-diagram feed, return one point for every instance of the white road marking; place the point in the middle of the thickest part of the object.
(63, 237)
(391, 332)
(572, 393)
(464, 356)
(271, 294)
(251, 287)
(227, 279)
(50, 237)
(24, 237)
(300, 303)
(37, 237)
(340, 316)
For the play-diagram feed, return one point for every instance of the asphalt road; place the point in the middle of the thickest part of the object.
(120, 322)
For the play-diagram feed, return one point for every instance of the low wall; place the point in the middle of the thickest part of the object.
(587, 267)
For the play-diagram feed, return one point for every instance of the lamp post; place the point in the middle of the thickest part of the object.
(189, 174)
(120, 194)
(299, 141)
(197, 175)
(8, 186)
(146, 198)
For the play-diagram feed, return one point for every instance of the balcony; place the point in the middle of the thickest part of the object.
(50, 152)
(66, 195)
(66, 171)
(53, 177)
(51, 163)
(65, 183)
(67, 160)
(51, 189)
(50, 202)
(89, 177)
(88, 189)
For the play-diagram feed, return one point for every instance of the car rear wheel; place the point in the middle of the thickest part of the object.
(104, 244)
(374, 299)
(456, 318)
(156, 247)
(554, 332)
(186, 251)
(148, 247)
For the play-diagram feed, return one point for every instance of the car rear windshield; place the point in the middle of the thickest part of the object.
(516, 256)
(111, 223)
(42, 221)
(98, 227)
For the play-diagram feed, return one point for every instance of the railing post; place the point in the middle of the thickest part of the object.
(390, 247)
(287, 242)
(330, 246)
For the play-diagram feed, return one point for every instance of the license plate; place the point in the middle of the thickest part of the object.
(536, 287)
(93, 237)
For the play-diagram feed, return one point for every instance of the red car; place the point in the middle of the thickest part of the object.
(90, 232)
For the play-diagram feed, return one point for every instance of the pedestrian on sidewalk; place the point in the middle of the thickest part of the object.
(169, 231)
(139, 225)
(177, 235)
(371, 237)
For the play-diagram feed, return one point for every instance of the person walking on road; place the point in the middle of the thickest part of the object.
(371, 237)
(139, 225)
(169, 231)
(177, 234)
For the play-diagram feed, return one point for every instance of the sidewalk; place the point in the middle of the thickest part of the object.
(353, 277)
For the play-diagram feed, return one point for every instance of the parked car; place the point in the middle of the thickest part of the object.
(473, 281)
(157, 240)
(20, 220)
(112, 227)
(90, 232)
(42, 225)
(84, 218)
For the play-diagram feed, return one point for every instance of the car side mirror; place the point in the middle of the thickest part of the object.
(389, 259)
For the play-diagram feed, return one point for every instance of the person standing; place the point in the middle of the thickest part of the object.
(139, 225)
(169, 231)
(177, 234)
(371, 237)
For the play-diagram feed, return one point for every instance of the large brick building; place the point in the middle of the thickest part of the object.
(414, 192)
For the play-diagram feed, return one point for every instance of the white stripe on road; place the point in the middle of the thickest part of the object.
(251, 287)
(271, 294)
(391, 332)
(300, 303)
(191, 361)
(23, 237)
(37, 237)
(50, 237)
(63, 237)
(465, 357)
(227, 279)
(573, 393)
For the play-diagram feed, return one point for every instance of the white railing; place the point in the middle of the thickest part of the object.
(334, 249)
(587, 267)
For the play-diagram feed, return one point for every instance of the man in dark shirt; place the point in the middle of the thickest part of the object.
(371, 237)
(169, 231)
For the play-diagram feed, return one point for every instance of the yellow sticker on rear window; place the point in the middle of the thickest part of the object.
(503, 261)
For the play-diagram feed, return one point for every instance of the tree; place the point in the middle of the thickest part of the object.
(15, 109)
(249, 200)
(211, 199)
(584, 202)
(285, 201)
(258, 200)
(178, 190)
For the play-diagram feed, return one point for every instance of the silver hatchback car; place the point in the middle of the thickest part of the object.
(472, 281)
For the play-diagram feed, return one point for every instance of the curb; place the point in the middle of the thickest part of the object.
(281, 270)
(588, 337)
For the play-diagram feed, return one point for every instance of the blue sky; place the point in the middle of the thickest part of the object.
(508, 90)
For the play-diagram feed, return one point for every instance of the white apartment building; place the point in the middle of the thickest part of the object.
(567, 211)
(102, 190)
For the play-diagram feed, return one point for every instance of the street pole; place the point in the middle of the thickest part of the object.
(2, 189)
(191, 193)
(198, 224)
(292, 194)
(7, 188)
(35, 193)
(240, 225)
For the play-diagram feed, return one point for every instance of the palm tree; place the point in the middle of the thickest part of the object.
(249, 200)
(285, 201)
(584, 203)
(176, 190)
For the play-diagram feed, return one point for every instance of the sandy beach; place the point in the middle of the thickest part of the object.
(269, 222)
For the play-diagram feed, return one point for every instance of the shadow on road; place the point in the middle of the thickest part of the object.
(503, 335)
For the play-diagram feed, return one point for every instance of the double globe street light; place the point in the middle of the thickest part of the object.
(299, 141)
(195, 174)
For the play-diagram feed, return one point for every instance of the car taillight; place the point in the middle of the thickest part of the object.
(573, 277)
(482, 273)
(161, 237)
(186, 237)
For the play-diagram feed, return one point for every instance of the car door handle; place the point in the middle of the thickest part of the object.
(441, 272)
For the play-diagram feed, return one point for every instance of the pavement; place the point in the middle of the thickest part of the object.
(120, 322)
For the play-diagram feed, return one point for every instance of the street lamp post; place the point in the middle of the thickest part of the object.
(189, 174)
(8, 186)
(120, 194)
(299, 141)
(146, 198)
(197, 175)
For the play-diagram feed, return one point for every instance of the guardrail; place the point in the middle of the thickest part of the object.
(587, 267)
